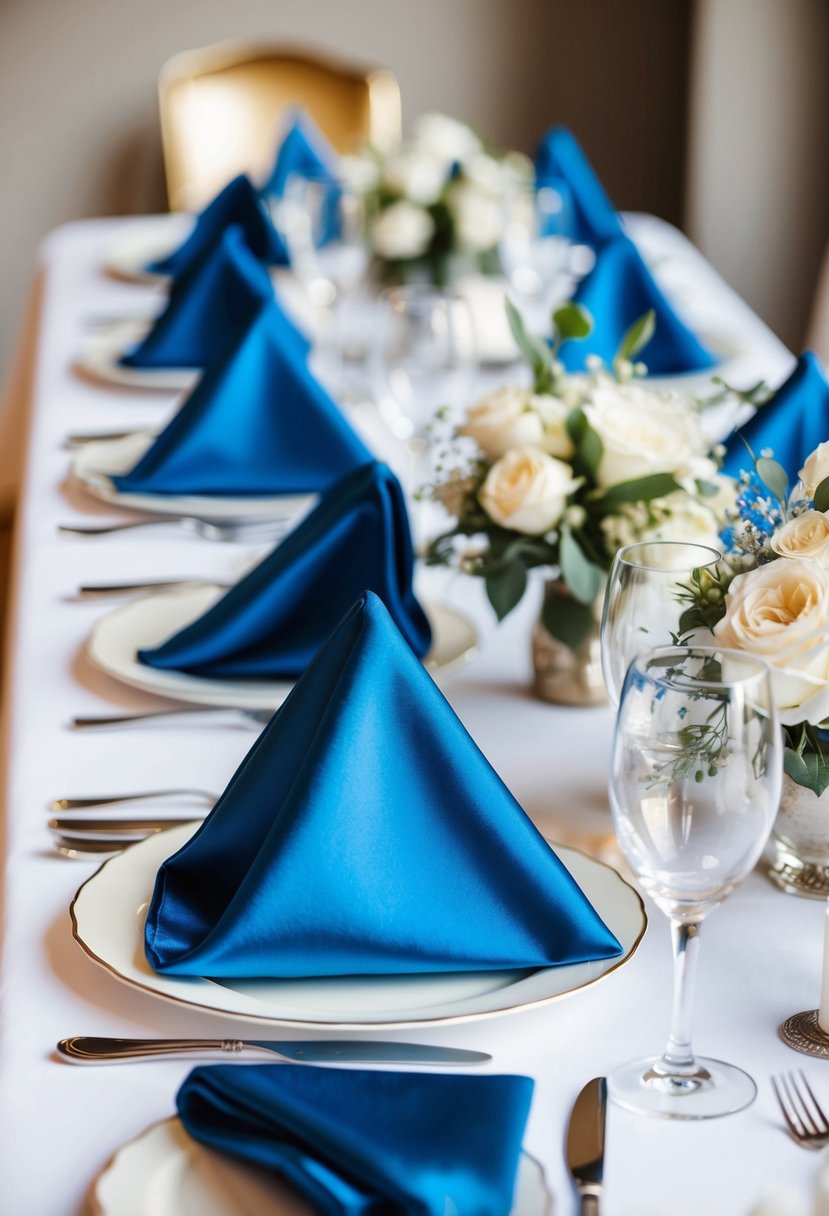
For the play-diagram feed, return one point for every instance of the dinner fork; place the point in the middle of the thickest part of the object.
(82, 804)
(224, 530)
(251, 717)
(802, 1113)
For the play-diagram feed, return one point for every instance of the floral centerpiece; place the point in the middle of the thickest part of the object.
(563, 473)
(439, 194)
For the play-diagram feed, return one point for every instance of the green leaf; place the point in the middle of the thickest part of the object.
(572, 321)
(821, 496)
(637, 337)
(810, 770)
(580, 575)
(706, 489)
(567, 620)
(589, 448)
(505, 586)
(774, 476)
(535, 351)
(640, 489)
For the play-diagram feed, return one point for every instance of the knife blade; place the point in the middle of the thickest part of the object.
(88, 1049)
(585, 1144)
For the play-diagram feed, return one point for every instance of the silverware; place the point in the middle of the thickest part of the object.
(90, 590)
(585, 1144)
(252, 717)
(802, 1113)
(77, 440)
(114, 830)
(83, 1049)
(80, 804)
(82, 848)
(227, 530)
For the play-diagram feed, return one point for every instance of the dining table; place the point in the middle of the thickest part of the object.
(761, 950)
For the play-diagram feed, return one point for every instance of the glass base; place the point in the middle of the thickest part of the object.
(715, 1089)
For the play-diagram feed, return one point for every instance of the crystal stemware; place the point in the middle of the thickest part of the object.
(642, 604)
(694, 787)
(535, 248)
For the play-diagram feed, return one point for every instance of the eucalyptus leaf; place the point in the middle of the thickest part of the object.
(505, 586)
(774, 476)
(572, 321)
(821, 496)
(810, 770)
(537, 353)
(580, 575)
(567, 620)
(639, 489)
(637, 337)
(589, 448)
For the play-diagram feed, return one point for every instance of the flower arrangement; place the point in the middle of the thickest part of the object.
(438, 194)
(770, 597)
(563, 473)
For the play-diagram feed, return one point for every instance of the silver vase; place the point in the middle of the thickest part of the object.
(564, 676)
(799, 844)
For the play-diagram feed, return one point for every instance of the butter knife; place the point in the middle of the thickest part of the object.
(585, 1144)
(86, 1049)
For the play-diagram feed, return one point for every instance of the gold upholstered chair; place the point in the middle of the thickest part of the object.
(223, 108)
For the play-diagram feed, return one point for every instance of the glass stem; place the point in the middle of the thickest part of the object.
(678, 1057)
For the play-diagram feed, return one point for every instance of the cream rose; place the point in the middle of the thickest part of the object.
(516, 417)
(445, 137)
(815, 470)
(641, 431)
(806, 535)
(416, 176)
(478, 217)
(402, 230)
(527, 490)
(780, 612)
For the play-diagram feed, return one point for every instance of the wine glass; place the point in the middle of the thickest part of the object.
(642, 604)
(535, 248)
(424, 368)
(694, 786)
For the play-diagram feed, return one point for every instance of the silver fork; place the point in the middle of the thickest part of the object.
(250, 530)
(81, 804)
(802, 1113)
(251, 717)
(96, 590)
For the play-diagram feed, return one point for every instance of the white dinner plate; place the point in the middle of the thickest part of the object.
(95, 464)
(164, 1172)
(143, 242)
(109, 911)
(117, 637)
(101, 354)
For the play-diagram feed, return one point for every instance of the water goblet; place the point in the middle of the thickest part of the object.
(695, 782)
(642, 604)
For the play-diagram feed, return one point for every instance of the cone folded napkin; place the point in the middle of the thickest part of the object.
(273, 622)
(561, 164)
(366, 834)
(618, 291)
(257, 423)
(304, 152)
(357, 1143)
(792, 423)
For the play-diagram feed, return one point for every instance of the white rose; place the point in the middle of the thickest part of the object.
(641, 431)
(815, 470)
(516, 417)
(478, 217)
(527, 490)
(780, 612)
(486, 173)
(806, 535)
(402, 230)
(416, 176)
(360, 174)
(445, 137)
(685, 519)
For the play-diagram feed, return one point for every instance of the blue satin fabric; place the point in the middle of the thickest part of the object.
(368, 1143)
(619, 290)
(792, 423)
(365, 834)
(559, 162)
(212, 302)
(238, 204)
(257, 423)
(305, 152)
(273, 622)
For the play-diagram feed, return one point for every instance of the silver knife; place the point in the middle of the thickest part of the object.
(86, 1049)
(585, 1144)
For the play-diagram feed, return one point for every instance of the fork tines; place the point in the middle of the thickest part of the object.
(803, 1114)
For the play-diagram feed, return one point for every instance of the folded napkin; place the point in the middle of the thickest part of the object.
(365, 834)
(561, 164)
(273, 622)
(212, 302)
(792, 423)
(239, 204)
(257, 423)
(619, 290)
(368, 1143)
(304, 151)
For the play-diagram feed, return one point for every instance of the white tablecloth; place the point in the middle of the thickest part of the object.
(761, 953)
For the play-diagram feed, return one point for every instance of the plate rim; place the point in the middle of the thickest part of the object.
(397, 1024)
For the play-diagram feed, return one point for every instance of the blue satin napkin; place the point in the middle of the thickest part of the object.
(239, 204)
(273, 622)
(365, 834)
(257, 423)
(212, 302)
(561, 164)
(304, 151)
(619, 290)
(792, 423)
(368, 1143)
